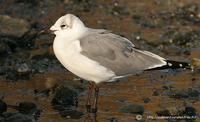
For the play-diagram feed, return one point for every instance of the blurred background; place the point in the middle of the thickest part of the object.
(34, 86)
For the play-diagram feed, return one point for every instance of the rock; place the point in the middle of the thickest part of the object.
(2, 119)
(190, 111)
(144, 22)
(64, 97)
(81, 5)
(133, 109)
(23, 68)
(28, 112)
(196, 63)
(20, 71)
(156, 93)
(185, 94)
(186, 38)
(71, 114)
(11, 75)
(27, 108)
(146, 100)
(4, 48)
(32, 2)
(112, 119)
(42, 93)
(3, 107)
(118, 10)
(18, 117)
(13, 27)
(172, 50)
(66, 1)
(179, 112)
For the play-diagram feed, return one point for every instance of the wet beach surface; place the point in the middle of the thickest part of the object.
(34, 86)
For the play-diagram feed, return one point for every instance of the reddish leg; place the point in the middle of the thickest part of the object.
(90, 90)
(95, 103)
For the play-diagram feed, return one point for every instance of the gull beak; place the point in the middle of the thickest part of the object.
(53, 29)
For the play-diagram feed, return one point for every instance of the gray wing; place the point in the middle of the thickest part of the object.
(118, 54)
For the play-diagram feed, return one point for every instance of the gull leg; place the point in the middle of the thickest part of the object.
(90, 90)
(95, 103)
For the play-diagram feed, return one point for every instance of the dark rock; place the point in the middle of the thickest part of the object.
(44, 93)
(23, 68)
(25, 108)
(18, 71)
(4, 48)
(188, 113)
(2, 119)
(11, 75)
(133, 109)
(18, 117)
(31, 2)
(13, 27)
(196, 63)
(167, 87)
(156, 93)
(3, 107)
(146, 100)
(185, 94)
(118, 10)
(172, 50)
(64, 97)
(81, 5)
(10, 42)
(112, 119)
(45, 63)
(143, 22)
(163, 113)
(189, 13)
(189, 39)
(71, 114)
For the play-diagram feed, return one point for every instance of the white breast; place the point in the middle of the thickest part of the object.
(69, 55)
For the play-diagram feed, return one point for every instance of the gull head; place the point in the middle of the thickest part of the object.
(67, 26)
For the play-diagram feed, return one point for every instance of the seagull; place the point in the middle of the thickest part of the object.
(97, 55)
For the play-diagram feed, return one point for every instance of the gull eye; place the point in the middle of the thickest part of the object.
(63, 26)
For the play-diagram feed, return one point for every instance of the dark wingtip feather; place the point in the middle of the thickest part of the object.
(173, 65)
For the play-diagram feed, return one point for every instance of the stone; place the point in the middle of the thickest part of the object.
(72, 114)
(179, 111)
(4, 48)
(190, 93)
(27, 108)
(146, 100)
(64, 97)
(13, 27)
(133, 109)
(3, 106)
(196, 63)
(18, 117)
(23, 68)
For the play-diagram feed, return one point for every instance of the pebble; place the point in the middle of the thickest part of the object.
(64, 97)
(133, 109)
(13, 26)
(3, 107)
(196, 63)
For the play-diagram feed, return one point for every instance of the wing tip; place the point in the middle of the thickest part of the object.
(173, 65)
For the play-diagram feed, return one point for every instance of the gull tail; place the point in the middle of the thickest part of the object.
(172, 65)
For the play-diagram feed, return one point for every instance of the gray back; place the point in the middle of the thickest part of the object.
(117, 53)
